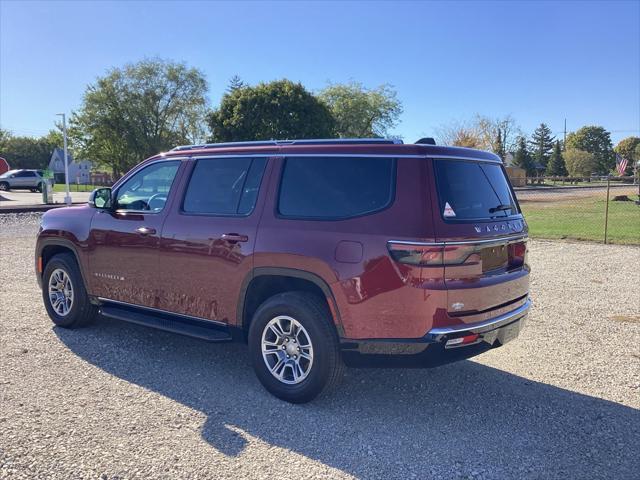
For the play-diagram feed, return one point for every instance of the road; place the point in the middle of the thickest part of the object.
(17, 198)
(116, 401)
(566, 193)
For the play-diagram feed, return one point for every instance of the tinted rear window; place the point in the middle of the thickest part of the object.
(224, 186)
(335, 187)
(473, 190)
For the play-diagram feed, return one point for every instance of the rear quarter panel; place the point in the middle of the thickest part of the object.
(377, 297)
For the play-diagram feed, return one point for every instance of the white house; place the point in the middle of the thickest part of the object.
(79, 172)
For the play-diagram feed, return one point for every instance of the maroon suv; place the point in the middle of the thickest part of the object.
(315, 252)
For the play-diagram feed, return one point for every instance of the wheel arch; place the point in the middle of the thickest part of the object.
(50, 247)
(264, 282)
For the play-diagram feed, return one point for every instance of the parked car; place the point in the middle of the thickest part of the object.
(315, 253)
(22, 180)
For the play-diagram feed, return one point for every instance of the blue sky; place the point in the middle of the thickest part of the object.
(538, 61)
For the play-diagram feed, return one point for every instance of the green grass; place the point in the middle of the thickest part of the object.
(73, 187)
(583, 219)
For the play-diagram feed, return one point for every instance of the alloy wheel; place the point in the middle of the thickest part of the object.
(287, 350)
(60, 292)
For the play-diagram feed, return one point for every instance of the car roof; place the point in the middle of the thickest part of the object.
(349, 147)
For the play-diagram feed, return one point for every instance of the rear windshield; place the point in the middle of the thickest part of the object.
(473, 190)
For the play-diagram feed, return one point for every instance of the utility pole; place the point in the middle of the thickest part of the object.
(67, 198)
(564, 141)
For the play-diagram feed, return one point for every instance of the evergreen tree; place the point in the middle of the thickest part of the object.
(235, 83)
(556, 165)
(522, 157)
(498, 147)
(542, 144)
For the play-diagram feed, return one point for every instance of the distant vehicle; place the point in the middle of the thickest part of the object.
(4, 166)
(22, 180)
(311, 251)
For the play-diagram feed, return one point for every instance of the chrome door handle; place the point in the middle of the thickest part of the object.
(234, 237)
(144, 231)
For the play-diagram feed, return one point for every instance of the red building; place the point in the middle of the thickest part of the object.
(4, 166)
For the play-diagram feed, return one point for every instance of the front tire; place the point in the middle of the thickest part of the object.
(294, 347)
(64, 295)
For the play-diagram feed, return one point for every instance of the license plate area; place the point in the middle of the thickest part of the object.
(494, 257)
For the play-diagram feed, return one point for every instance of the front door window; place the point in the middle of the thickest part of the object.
(147, 190)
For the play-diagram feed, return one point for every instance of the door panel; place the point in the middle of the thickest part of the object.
(124, 242)
(124, 256)
(205, 257)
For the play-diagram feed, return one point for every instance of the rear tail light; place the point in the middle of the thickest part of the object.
(453, 255)
(517, 254)
(436, 255)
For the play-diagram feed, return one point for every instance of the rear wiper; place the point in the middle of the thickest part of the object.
(500, 208)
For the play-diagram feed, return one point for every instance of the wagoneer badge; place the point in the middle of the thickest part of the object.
(109, 276)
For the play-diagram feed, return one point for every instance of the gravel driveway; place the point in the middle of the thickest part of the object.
(120, 401)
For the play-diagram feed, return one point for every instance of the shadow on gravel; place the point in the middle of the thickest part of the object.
(461, 420)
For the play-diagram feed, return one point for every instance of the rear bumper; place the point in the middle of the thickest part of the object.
(436, 348)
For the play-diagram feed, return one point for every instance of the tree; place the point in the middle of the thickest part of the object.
(5, 136)
(235, 83)
(556, 165)
(498, 148)
(27, 152)
(139, 110)
(360, 112)
(460, 134)
(597, 141)
(495, 134)
(276, 110)
(488, 130)
(579, 162)
(522, 157)
(629, 148)
(542, 144)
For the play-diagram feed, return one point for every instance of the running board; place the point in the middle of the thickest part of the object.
(189, 326)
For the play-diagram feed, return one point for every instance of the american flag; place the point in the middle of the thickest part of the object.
(621, 165)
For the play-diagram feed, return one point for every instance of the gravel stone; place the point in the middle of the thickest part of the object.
(118, 401)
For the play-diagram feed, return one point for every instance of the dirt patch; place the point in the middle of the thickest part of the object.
(625, 318)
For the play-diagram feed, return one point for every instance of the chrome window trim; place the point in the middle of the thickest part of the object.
(158, 310)
(460, 242)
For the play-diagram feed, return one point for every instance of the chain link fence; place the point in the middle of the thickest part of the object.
(603, 209)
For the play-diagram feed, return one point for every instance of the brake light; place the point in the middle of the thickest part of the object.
(517, 254)
(432, 255)
(421, 255)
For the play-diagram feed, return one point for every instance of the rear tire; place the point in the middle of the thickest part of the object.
(64, 293)
(308, 337)
(40, 188)
(4, 187)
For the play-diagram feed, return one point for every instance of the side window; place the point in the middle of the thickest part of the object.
(224, 186)
(148, 189)
(335, 187)
(25, 174)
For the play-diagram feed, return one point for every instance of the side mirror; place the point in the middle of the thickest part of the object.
(100, 198)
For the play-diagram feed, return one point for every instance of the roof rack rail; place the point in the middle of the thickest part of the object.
(275, 143)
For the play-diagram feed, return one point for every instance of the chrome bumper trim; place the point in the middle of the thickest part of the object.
(491, 324)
